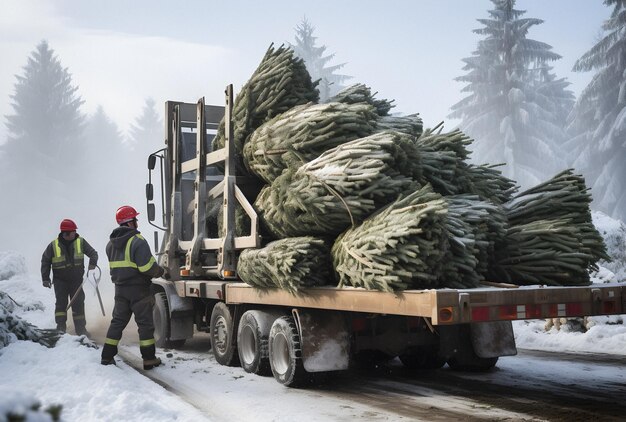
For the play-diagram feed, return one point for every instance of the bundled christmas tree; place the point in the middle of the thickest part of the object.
(551, 238)
(400, 247)
(360, 93)
(279, 83)
(290, 264)
(303, 134)
(340, 188)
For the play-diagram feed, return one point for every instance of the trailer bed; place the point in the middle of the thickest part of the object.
(441, 306)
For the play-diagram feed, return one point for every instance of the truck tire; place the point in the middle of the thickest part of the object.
(422, 357)
(286, 353)
(253, 344)
(223, 341)
(161, 317)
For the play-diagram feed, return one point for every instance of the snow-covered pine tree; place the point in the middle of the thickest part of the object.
(105, 145)
(516, 106)
(147, 132)
(43, 158)
(145, 137)
(46, 125)
(104, 139)
(598, 122)
(316, 62)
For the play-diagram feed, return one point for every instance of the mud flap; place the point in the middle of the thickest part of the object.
(493, 339)
(181, 311)
(324, 339)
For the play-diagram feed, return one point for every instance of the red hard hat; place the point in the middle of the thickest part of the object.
(68, 225)
(125, 213)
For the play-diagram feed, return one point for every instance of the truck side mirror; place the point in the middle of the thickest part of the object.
(151, 212)
(149, 191)
(151, 162)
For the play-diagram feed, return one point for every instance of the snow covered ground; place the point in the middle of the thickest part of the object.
(34, 377)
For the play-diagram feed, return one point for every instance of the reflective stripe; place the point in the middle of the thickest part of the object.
(59, 261)
(127, 263)
(60, 313)
(146, 267)
(57, 249)
(111, 341)
(144, 343)
(78, 317)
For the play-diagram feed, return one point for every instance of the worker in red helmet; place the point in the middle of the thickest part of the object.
(132, 269)
(65, 256)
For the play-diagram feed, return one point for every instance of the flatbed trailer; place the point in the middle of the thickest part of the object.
(441, 306)
(320, 329)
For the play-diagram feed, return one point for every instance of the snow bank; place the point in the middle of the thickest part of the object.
(35, 379)
(614, 234)
(11, 264)
(71, 374)
(18, 406)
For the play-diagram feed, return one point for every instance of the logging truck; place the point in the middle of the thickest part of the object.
(321, 329)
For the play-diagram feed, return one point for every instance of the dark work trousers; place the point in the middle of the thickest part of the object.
(64, 290)
(129, 300)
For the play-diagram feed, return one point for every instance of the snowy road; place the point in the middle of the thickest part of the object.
(531, 386)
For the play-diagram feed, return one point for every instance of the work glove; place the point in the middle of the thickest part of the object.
(47, 283)
(92, 267)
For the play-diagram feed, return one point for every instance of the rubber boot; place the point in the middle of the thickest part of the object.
(108, 352)
(82, 331)
(151, 363)
(61, 327)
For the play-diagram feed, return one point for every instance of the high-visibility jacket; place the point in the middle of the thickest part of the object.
(67, 259)
(130, 258)
(61, 260)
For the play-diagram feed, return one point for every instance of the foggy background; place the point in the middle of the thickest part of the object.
(122, 60)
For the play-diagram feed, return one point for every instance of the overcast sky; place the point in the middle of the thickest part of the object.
(120, 52)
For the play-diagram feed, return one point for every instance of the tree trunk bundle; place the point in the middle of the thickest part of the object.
(290, 264)
(339, 189)
(303, 134)
(411, 125)
(360, 93)
(279, 83)
(399, 247)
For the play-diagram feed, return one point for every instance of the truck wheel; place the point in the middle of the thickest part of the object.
(161, 317)
(286, 353)
(423, 357)
(223, 335)
(252, 344)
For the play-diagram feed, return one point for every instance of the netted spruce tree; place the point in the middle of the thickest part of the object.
(515, 105)
(317, 63)
(598, 122)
